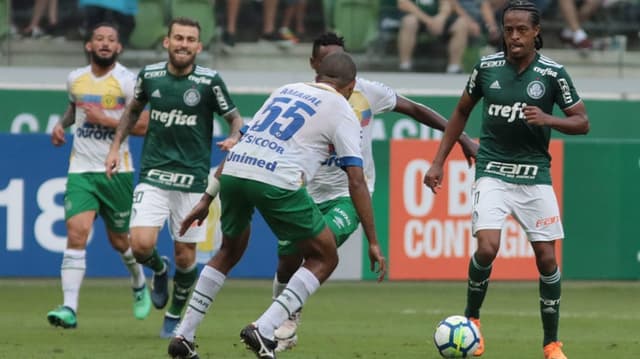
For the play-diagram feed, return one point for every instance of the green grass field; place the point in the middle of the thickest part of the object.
(342, 320)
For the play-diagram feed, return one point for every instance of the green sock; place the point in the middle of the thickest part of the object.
(154, 262)
(550, 290)
(476, 287)
(183, 281)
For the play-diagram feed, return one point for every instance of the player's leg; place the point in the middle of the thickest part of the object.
(235, 220)
(115, 197)
(149, 211)
(539, 215)
(80, 211)
(489, 213)
(293, 217)
(186, 271)
(342, 219)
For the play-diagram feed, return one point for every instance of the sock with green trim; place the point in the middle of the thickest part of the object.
(476, 287)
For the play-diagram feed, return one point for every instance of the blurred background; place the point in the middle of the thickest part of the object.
(599, 36)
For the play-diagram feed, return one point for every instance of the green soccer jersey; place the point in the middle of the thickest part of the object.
(176, 154)
(510, 148)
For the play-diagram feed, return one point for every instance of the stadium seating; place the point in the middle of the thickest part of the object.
(357, 21)
(151, 26)
(200, 10)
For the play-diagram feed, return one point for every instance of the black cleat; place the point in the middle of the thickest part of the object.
(261, 346)
(180, 348)
(160, 287)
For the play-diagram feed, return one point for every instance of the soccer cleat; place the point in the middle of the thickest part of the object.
(286, 344)
(480, 349)
(160, 288)
(169, 324)
(261, 346)
(553, 350)
(180, 348)
(141, 302)
(63, 316)
(286, 335)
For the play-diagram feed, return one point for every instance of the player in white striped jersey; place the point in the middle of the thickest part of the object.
(329, 187)
(98, 94)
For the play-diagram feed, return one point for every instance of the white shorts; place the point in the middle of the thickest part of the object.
(535, 207)
(152, 206)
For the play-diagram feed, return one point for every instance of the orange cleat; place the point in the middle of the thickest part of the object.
(553, 350)
(480, 349)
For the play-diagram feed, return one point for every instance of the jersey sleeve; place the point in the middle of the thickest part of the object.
(70, 79)
(139, 92)
(128, 85)
(224, 103)
(566, 94)
(347, 139)
(382, 98)
(474, 87)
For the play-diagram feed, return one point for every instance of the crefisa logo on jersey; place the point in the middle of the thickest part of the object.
(191, 97)
(535, 89)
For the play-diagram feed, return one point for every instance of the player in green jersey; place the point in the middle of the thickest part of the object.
(520, 87)
(183, 98)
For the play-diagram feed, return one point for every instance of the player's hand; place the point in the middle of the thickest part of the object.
(199, 213)
(433, 177)
(57, 135)
(112, 163)
(535, 116)
(93, 113)
(375, 256)
(227, 143)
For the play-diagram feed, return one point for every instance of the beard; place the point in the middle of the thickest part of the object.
(181, 64)
(103, 61)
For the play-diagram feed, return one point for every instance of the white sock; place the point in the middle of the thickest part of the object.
(277, 286)
(74, 265)
(579, 35)
(134, 268)
(300, 287)
(208, 285)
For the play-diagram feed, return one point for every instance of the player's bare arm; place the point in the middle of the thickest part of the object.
(68, 118)
(433, 177)
(235, 122)
(576, 121)
(199, 213)
(361, 199)
(429, 117)
(201, 210)
(128, 120)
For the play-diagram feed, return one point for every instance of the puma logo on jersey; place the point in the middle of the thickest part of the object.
(495, 85)
(509, 112)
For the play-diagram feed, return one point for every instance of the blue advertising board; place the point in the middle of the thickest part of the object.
(32, 229)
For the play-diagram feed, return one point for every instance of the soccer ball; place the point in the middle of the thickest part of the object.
(456, 337)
